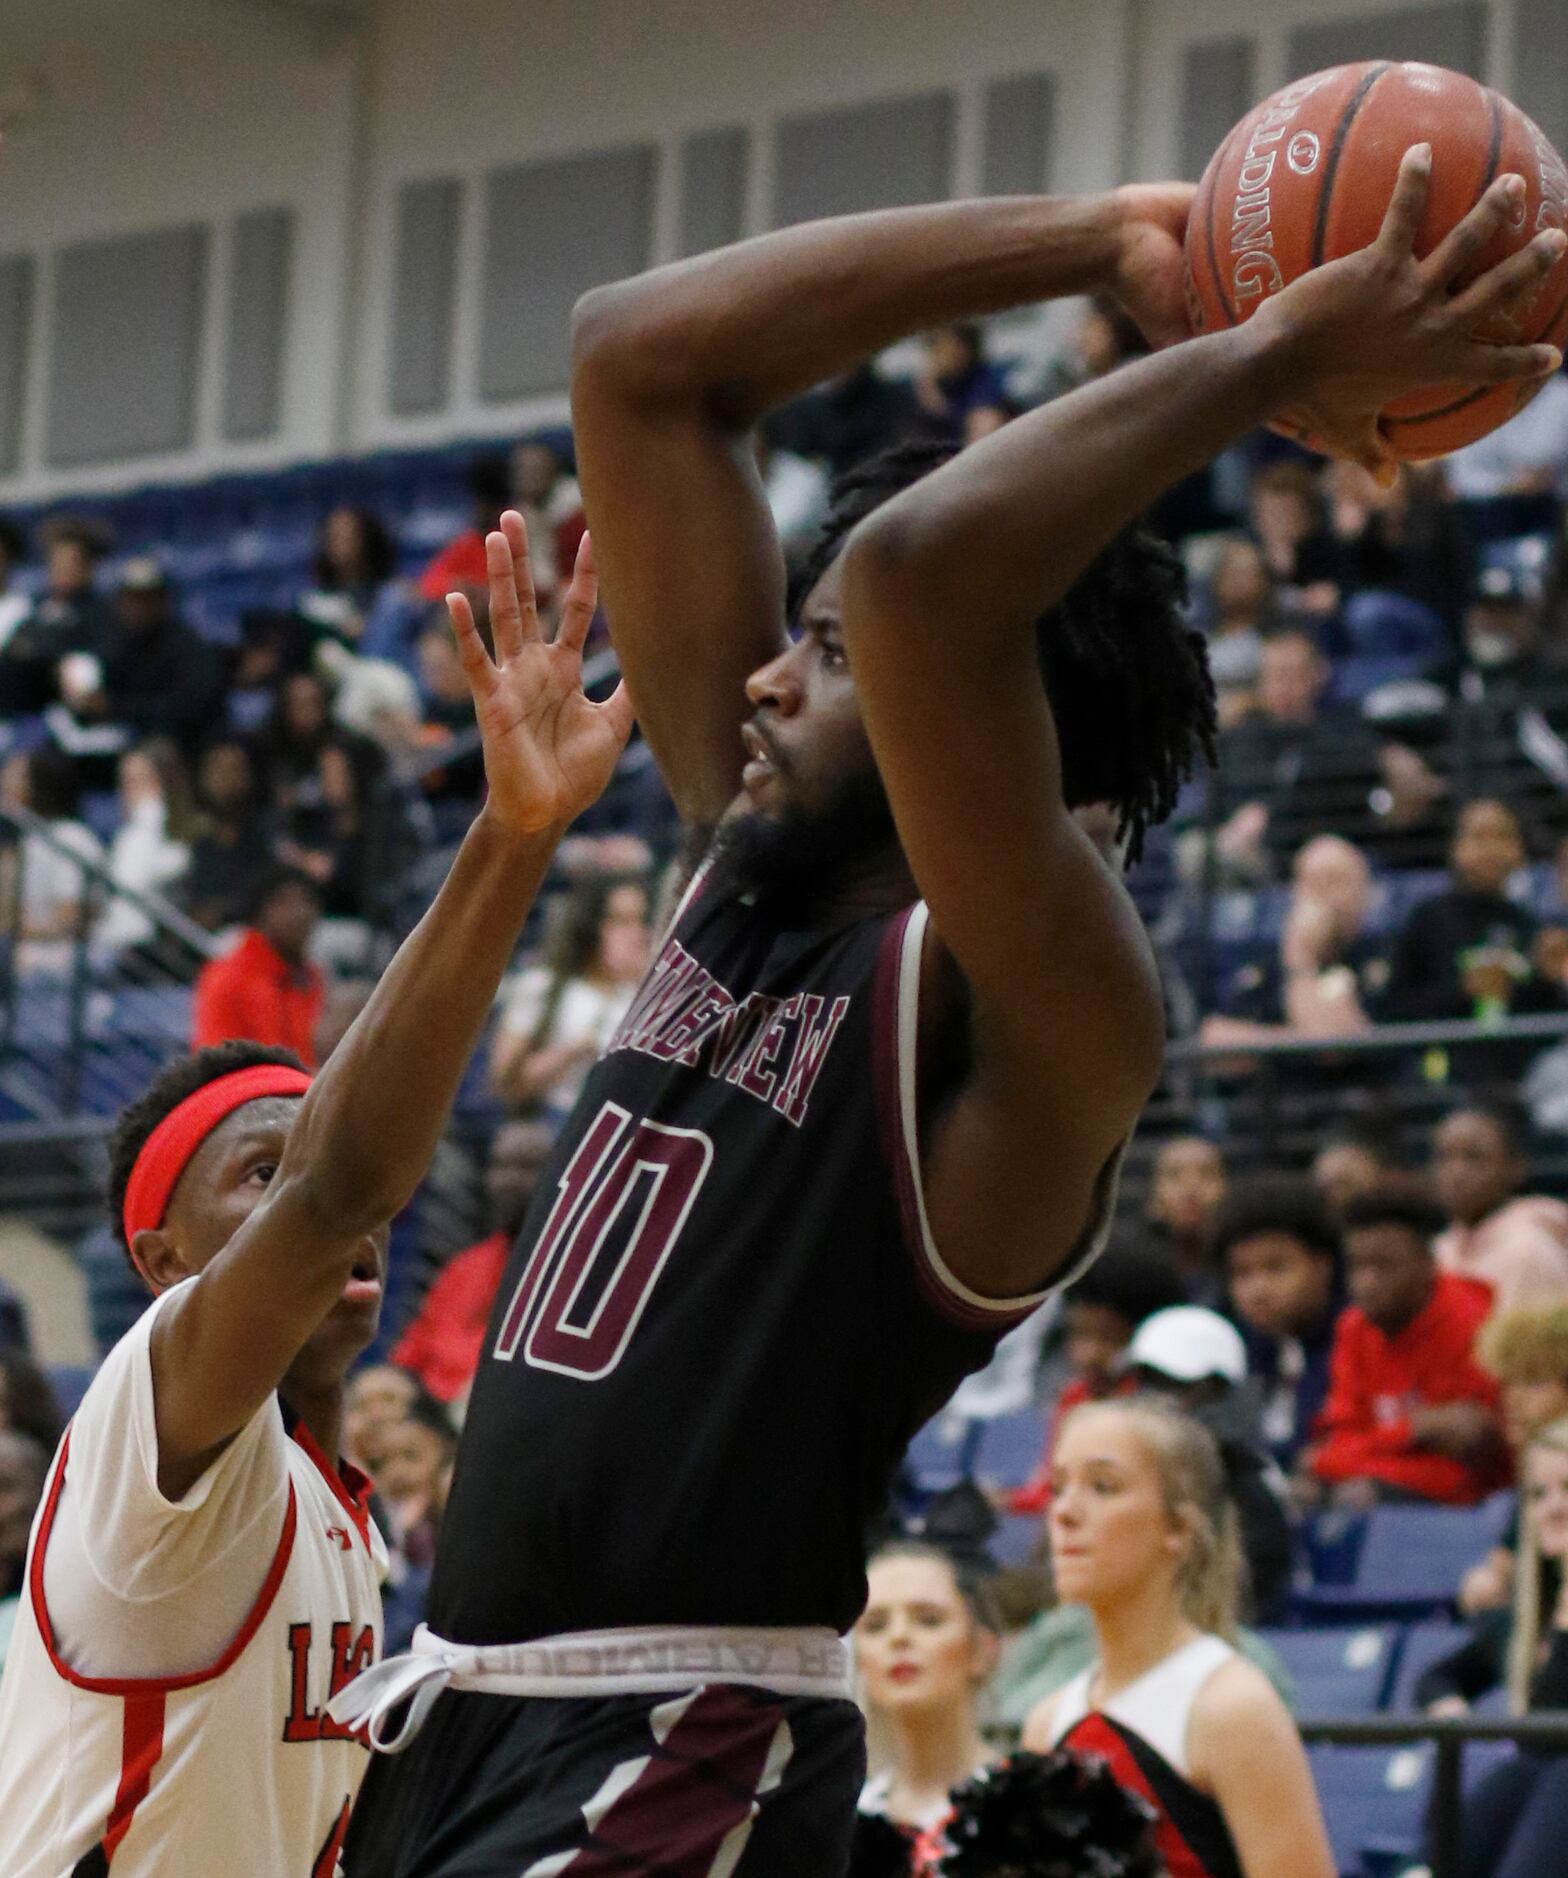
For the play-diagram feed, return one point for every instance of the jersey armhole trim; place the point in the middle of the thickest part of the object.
(147, 1685)
(348, 1486)
(895, 1058)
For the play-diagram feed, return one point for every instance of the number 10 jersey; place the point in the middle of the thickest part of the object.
(724, 1317)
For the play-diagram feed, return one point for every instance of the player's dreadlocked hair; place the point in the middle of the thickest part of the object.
(1128, 679)
(163, 1095)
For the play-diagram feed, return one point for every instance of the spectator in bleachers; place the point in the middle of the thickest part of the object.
(1469, 952)
(414, 1474)
(550, 502)
(160, 677)
(266, 988)
(69, 618)
(1281, 1254)
(327, 835)
(985, 420)
(1104, 337)
(1329, 973)
(28, 1405)
(446, 712)
(378, 1397)
(461, 563)
(271, 645)
(1527, 455)
(1355, 1154)
(1410, 1414)
(1285, 508)
(1296, 767)
(1144, 1535)
(1526, 1349)
(1195, 1359)
(956, 377)
(151, 848)
(1515, 1819)
(24, 1466)
(443, 1343)
(852, 417)
(354, 561)
(290, 744)
(1401, 539)
(46, 887)
(14, 607)
(925, 1646)
(232, 847)
(1242, 595)
(556, 1018)
(1186, 1186)
(1101, 1311)
(1515, 1244)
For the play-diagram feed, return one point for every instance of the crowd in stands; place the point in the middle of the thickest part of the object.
(1378, 1322)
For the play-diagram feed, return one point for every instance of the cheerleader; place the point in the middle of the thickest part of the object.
(1143, 1533)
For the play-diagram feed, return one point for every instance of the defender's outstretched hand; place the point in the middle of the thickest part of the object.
(1363, 330)
(549, 750)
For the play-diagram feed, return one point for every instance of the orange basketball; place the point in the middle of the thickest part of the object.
(1307, 176)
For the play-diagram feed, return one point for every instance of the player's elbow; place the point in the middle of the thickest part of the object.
(630, 348)
(895, 573)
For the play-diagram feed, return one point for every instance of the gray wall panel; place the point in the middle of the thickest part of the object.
(1452, 34)
(126, 343)
(1540, 80)
(553, 230)
(424, 295)
(17, 275)
(255, 355)
(713, 188)
(864, 156)
(1020, 124)
(1218, 80)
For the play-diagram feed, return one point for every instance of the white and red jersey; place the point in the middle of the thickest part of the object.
(162, 1706)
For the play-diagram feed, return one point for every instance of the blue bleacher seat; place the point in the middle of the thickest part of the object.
(1411, 1561)
(1372, 1798)
(1423, 1645)
(1337, 1673)
(1010, 1448)
(942, 1453)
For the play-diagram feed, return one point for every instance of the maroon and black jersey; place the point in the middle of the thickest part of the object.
(724, 1317)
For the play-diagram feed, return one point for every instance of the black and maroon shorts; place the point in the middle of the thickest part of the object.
(725, 1782)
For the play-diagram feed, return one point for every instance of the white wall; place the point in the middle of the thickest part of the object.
(152, 128)
(167, 110)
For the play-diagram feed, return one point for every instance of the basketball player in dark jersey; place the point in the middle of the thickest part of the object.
(868, 1106)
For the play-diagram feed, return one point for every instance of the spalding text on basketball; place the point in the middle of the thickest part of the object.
(1254, 270)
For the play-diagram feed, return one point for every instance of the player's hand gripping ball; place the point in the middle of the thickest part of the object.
(1307, 177)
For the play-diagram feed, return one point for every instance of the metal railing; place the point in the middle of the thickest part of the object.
(1449, 1736)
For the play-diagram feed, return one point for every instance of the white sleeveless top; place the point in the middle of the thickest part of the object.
(1157, 1707)
(225, 1760)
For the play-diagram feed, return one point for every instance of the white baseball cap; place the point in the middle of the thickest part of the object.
(1188, 1344)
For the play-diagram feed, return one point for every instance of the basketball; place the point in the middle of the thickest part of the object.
(1306, 177)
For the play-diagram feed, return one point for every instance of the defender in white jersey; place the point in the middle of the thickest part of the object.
(202, 1577)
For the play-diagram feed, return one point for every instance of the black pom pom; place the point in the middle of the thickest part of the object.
(1056, 1815)
(881, 1849)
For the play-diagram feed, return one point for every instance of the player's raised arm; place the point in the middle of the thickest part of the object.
(671, 371)
(364, 1135)
(943, 596)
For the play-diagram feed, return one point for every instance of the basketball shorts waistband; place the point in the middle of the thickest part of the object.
(653, 1661)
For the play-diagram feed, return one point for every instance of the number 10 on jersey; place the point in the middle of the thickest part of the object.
(620, 1205)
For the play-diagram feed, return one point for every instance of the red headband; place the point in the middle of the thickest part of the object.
(167, 1151)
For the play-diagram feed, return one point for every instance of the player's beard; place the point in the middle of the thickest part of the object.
(790, 862)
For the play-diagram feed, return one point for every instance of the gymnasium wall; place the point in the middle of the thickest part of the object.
(227, 240)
